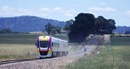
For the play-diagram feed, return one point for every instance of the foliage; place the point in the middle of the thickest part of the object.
(4, 31)
(68, 24)
(81, 27)
(49, 28)
(104, 26)
(86, 24)
(58, 29)
(127, 32)
(52, 29)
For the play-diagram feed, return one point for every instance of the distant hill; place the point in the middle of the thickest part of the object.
(122, 29)
(27, 23)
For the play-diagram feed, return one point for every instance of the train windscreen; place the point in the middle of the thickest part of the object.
(44, 44)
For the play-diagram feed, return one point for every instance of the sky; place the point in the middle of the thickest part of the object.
(64, 10)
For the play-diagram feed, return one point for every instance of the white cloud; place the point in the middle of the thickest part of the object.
(45, 9)
(101, 9)
(9, 11)
(6, 9)
(128, 12)
(68, 14)
(96, 14)
(57, 9)
(103, 4)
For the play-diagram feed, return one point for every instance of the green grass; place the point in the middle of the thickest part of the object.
(17, 51)
(18, 38)
(111, 56)
(74, 46)
(120, 41)
(17, 46)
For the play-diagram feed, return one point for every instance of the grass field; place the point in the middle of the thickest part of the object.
(23, 38)
(17, 38)
(17, 51)
(19, 46)
(113, 55)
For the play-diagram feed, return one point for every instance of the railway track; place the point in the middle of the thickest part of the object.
(89, 45)
(15, 61)
(22, 60)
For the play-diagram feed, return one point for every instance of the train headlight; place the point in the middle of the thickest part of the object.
(38, 50)
(49, 51)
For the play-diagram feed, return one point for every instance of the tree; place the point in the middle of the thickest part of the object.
(127, 32)
(82, 26)
(49, 28)
(6, 30)
(86, 23)
(100, 25)
(111, 25)
(68, 24)
(52, 29)
(104, 26)
(58, 29)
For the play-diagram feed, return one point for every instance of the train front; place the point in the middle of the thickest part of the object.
(44, 46)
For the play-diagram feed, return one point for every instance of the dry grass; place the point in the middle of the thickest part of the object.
(17, 51)
(74, 46)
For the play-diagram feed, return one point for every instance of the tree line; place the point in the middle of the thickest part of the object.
(85, 24)
(51, 29)
(5, 31)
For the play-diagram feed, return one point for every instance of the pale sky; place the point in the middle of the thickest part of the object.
(64, 10)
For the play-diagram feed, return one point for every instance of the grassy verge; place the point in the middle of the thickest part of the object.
(74, 46)
(17, 51)
(111, 56)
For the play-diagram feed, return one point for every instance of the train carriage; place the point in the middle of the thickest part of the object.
(48, 46)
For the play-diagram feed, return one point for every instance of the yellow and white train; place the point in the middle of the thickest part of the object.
(48, 46)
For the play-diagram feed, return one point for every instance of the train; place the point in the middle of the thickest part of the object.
(48, 46)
